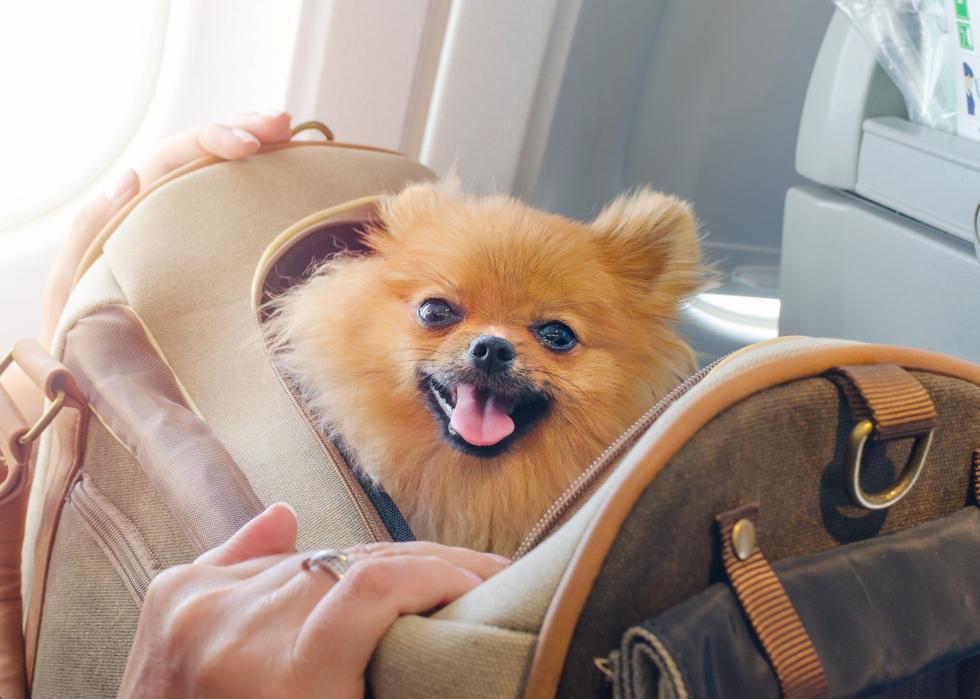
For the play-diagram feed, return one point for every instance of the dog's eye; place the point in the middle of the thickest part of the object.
(436, 313)
(557, 336)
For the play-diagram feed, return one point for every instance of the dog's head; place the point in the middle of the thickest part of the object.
(480, 332)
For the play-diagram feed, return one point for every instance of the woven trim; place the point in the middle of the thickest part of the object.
(664, 659)
(772, 615)
(893, 398)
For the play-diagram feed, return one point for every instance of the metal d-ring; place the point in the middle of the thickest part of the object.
(900, 488)
(50, 414)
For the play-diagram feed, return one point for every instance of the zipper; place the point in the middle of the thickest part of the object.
(340, 464)
(591, 477)
(117, 536)
(375, 524)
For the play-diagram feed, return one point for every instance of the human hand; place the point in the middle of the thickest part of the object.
(248, 620)
(233, 141)
(237, 140)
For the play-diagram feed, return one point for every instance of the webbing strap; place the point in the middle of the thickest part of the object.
(769, 609)
(896, 402)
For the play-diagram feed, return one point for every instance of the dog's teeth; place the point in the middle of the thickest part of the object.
(452, 432)
(446, 408)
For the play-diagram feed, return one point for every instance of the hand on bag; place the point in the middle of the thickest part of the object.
(233, 141)
(248, 619)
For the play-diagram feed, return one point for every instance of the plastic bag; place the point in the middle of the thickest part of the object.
(912, 42)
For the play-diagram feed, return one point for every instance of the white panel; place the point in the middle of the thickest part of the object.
(546, 98)
(485, 89)
(223, 58)
(855, 270)
(583, 162)
(847, 86)
(930, 175)
(697, 98)
(719, 108)
(356, 65)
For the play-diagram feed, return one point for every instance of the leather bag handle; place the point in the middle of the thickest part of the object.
(17, 440)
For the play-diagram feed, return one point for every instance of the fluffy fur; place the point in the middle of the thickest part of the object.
(350, 338)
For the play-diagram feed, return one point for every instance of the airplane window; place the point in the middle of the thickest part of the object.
(72, 101)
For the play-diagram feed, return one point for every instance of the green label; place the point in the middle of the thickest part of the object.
(962, 9)
(966, 36)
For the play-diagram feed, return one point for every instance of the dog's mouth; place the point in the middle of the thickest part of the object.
(479, 421)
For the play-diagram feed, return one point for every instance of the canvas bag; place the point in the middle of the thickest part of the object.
(176, 429)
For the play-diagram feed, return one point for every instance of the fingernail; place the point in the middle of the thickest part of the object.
(273, 113)
(503, 560)
(473, 576)
(244, 136)
(121, 185)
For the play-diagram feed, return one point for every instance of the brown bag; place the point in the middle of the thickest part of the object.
(175, 429)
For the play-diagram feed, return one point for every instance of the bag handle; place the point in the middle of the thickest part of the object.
(313, 126)
(17, 440)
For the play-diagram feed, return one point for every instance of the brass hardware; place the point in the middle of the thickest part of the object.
(743, 538)
(900, 488)
(50, 414)
(313, 126)
(603, 666)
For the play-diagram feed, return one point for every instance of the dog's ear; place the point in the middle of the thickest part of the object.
(651, 239)
(411, 208)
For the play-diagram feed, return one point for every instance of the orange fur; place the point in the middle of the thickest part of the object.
(350, 338)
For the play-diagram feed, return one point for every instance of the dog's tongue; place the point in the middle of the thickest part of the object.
(478, 418)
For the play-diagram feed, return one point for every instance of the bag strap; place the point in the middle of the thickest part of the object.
(888, 403)
(885, 400)
(768, 607)
(888, 395)
(17, 441)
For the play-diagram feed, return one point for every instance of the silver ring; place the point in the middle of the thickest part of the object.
(337, 561)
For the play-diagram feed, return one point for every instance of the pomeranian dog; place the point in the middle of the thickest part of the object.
(484, 353)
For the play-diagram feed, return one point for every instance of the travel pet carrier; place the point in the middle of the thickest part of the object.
(797, 518)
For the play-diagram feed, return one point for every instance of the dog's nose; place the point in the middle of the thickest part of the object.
(492, 355)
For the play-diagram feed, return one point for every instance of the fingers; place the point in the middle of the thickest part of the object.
(289, 570)
(485, 565)
(347, 624)
(305, 587)
(270, 533)
(239, 139)
(268, 127)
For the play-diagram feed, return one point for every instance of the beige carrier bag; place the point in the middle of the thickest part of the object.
(167, 428)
